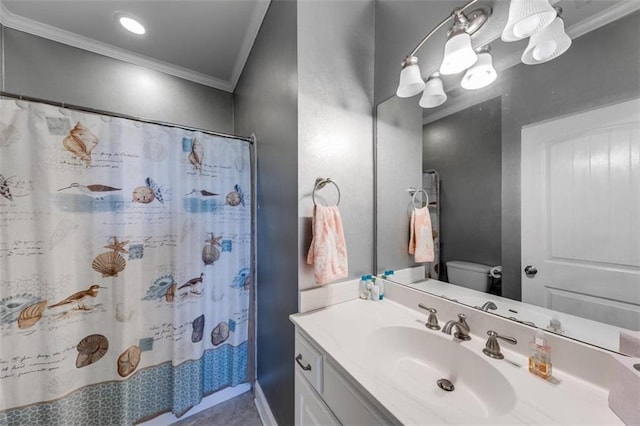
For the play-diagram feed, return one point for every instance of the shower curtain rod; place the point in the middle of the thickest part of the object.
(3, 94)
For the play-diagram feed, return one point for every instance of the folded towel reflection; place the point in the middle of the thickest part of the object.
(421, 235)
(328, 251)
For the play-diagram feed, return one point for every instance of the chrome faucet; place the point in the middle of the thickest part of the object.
(432, 321)
(492, 348)
(461, 326)
(487, 305)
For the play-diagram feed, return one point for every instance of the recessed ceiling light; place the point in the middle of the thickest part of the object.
(130, 23)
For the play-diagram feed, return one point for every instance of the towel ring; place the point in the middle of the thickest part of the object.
(416, 192)
(321, 183)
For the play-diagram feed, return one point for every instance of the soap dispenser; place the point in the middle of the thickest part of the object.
(540, 359)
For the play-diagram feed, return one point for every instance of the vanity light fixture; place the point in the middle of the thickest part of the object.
(482, 73)
(526, 17)
(458, 54)
(130, 23)
(410, 79)
(433, 94)
(547, 43)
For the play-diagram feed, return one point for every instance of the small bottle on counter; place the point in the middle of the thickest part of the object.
(387, 275)
(380, 285)
(364, 291)
(375, 292)
(371, 285)
(540, 359)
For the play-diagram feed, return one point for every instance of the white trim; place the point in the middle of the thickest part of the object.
(467, 101)
(603, 18)
(581, 28)
(327, 295)
(49, 32)
(264, 411)
(207, 402)
(249, 38)
(409, 275)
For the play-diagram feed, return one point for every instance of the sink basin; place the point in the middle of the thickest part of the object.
(414, 360)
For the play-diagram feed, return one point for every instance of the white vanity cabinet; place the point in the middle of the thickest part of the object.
(324, 395)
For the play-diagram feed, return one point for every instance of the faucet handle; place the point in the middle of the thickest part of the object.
(462, 320)
(432, 321)
(492, 348)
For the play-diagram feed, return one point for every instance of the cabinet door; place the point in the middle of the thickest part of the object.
(310, 410)
(347, 403)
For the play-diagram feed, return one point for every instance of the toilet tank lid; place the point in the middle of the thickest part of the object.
(468, 266)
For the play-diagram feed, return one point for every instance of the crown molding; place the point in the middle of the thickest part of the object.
(490, 92)
(49, 32)
(581, 28)
(603, 18)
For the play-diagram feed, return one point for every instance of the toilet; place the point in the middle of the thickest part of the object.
(468, 274)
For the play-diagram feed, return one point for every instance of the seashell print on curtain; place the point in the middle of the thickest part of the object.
(125, 256)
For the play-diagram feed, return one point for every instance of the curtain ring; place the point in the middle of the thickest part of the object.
(320, 183)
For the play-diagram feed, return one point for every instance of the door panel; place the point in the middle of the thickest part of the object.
(581, 214)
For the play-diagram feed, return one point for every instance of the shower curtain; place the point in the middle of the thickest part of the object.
(125, 266)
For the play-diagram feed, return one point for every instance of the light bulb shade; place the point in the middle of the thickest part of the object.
(411, 82)
(433, 94)
(458, 54)
(526, 17)
(481, 74)
(547, 44)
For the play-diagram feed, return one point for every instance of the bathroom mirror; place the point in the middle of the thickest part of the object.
(475, 141)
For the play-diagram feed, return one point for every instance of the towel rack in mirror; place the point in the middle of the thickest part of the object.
(321, 183)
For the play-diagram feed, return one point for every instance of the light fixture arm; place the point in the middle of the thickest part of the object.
(455, 14)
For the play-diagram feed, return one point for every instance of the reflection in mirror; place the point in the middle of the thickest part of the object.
(567, 132)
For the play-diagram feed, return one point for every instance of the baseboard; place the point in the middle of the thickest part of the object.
(264, 411)
(207, 402)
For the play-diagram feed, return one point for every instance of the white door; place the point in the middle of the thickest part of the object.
(581, 214)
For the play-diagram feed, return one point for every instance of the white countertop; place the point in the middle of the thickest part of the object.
(342, 331)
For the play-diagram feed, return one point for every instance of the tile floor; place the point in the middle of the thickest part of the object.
(238, 411)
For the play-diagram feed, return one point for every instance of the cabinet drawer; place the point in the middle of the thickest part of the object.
(309, 362)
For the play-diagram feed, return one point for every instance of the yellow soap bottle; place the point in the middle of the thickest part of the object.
(540, 359)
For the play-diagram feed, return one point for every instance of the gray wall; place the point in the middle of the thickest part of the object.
(49, 70)
(398, 167)
(600, 68)
(308, 124)
(399, 27)
(466, 150)
(335, 123)
(266, 103)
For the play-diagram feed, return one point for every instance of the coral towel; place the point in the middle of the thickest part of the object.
(421, 235)
(328, 251)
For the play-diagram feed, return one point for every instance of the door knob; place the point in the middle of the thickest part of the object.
(530, 270)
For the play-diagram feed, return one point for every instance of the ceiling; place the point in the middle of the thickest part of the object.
(206, 41)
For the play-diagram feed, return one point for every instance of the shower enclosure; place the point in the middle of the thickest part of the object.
(126, 266)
